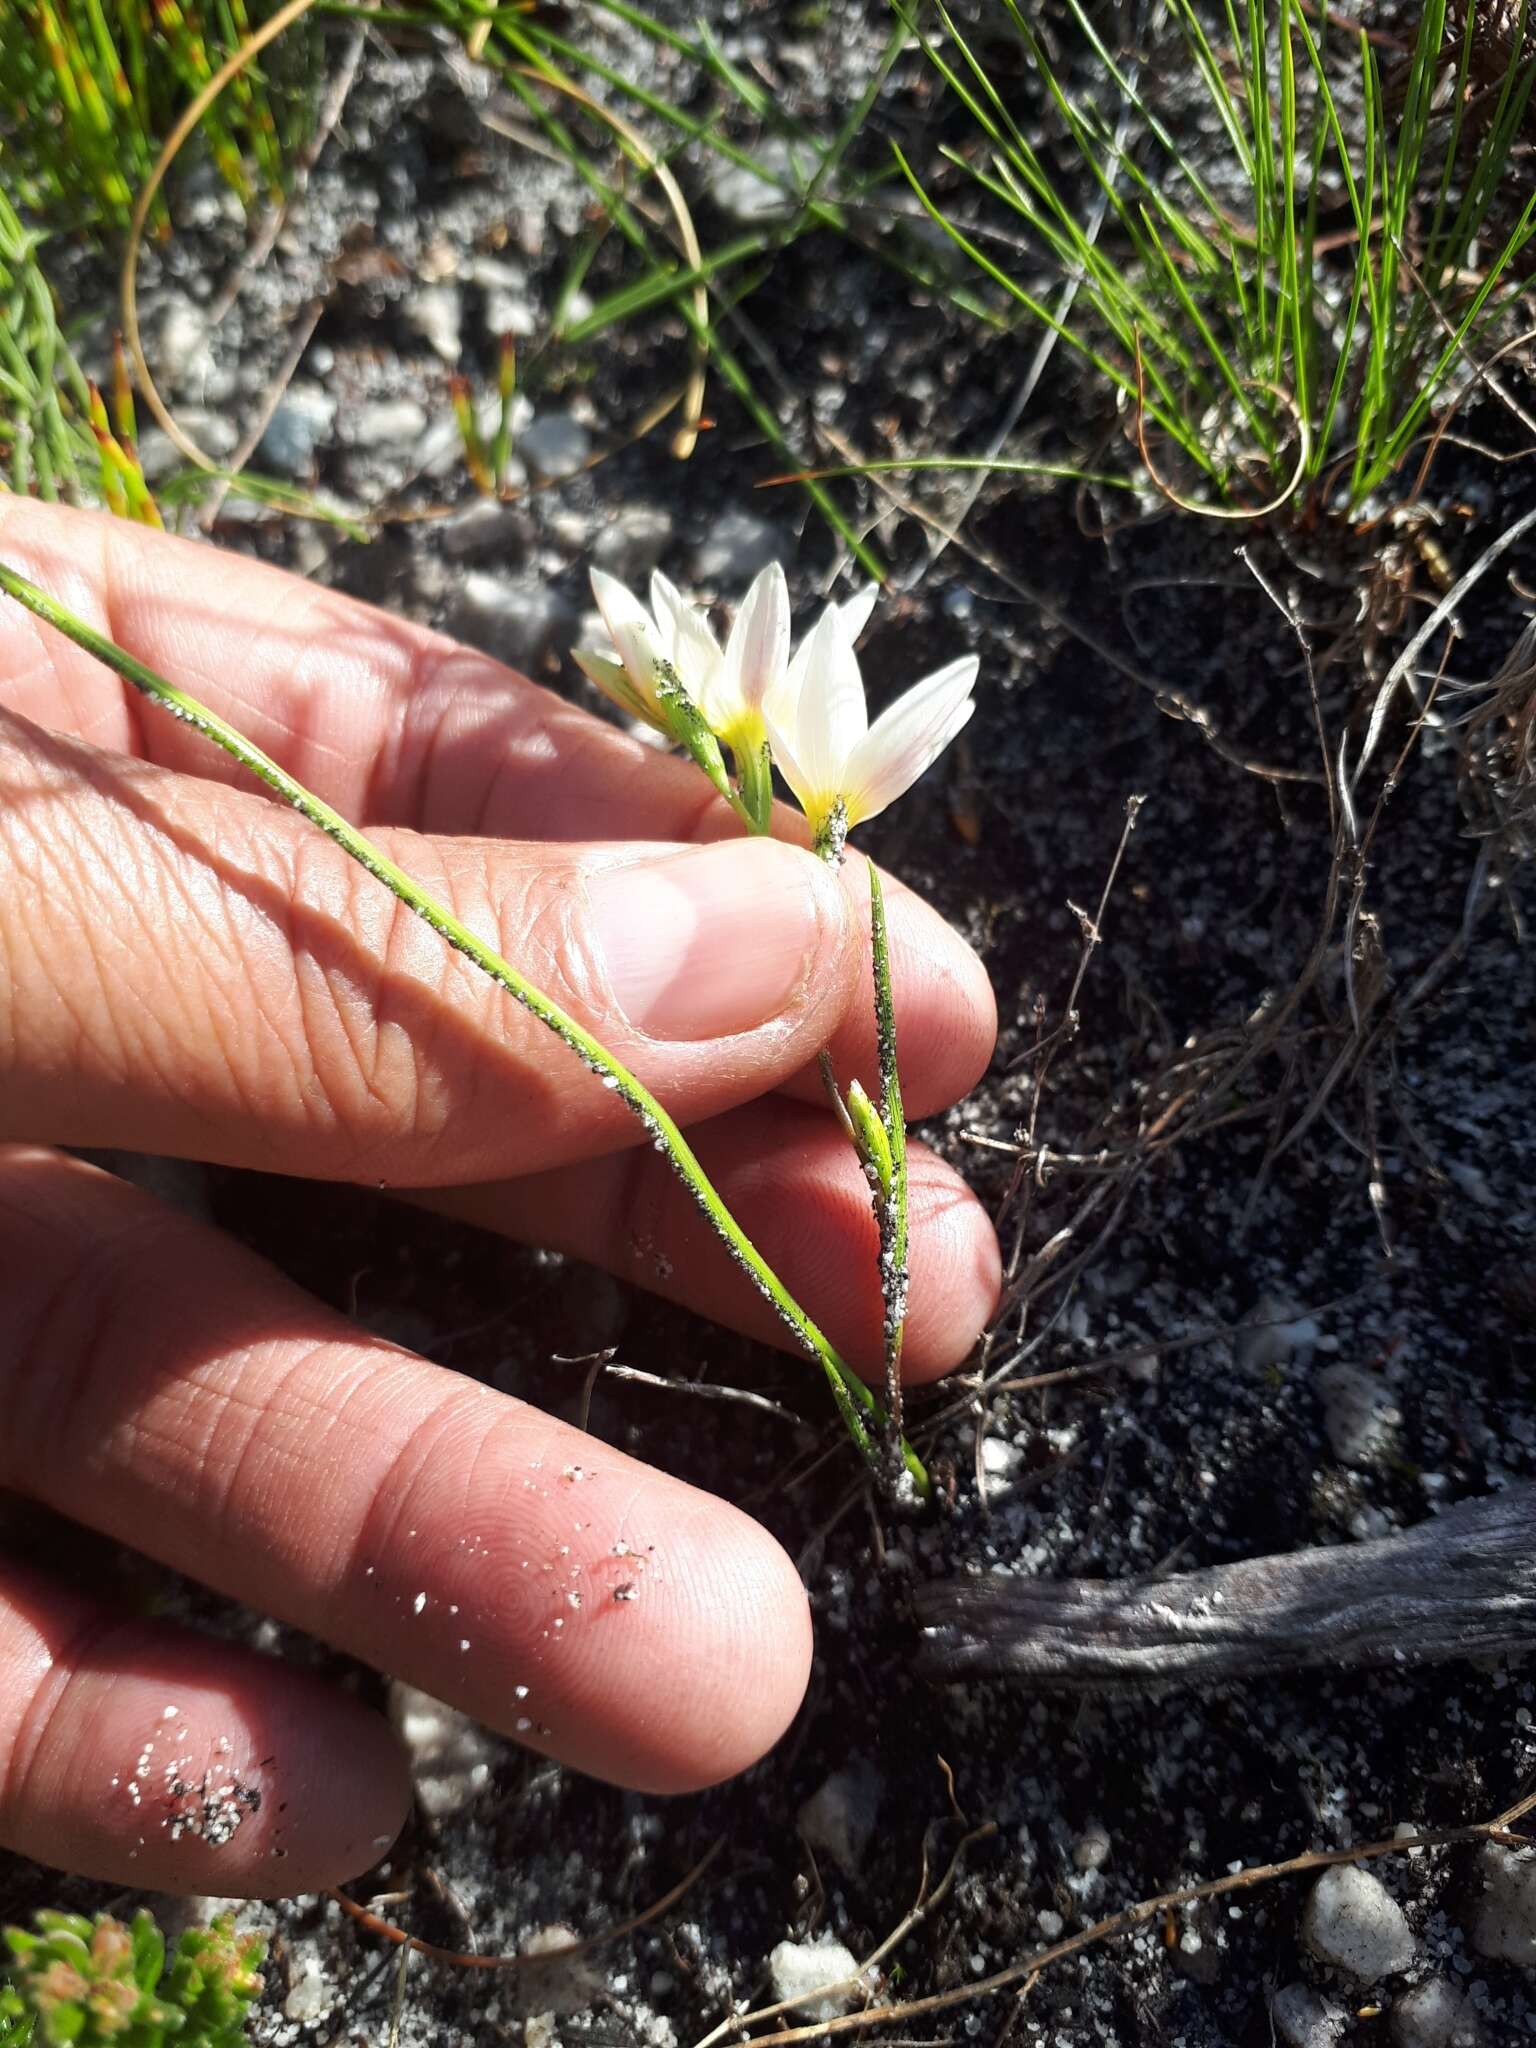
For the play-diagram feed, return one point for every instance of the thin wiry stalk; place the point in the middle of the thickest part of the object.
(855, 1403)
(704, 331)
(892, 1210)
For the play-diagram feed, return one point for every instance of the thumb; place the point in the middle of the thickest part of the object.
(194, 969)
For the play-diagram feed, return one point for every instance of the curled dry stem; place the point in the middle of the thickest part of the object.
(687, 434)
(1243, 513)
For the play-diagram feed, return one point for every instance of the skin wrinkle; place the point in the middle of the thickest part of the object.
(165, 1441)
(418, 1051)
(76, 1324)
(61, 846)
(84, 1647)
(168, 1419)
(336, 1013)
(290, 1072)
(153, 890)
(431, 730)
(258, 1444)
(109, 583)
(394, 748)
(390, 1496)
(348, 1007)
(157, 735)
(236, 1504)
(174, 899)
(166, 902)
(523, 737)
(508, 765)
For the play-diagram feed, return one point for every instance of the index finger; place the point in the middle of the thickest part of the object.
(390, 722)
(396, 725)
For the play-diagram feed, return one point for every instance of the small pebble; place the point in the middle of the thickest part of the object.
(551, 1982)
(1000, 1459)
(1434, 2014)
(436, 312)
(800, 1972)
(633, 541)
(1272, 1337)
(450, 1755)
(1503, 1921)
(1360, 1418)
(516, 618)
(736, 546)
(302, 422)
(1091, 1849)
(484, 531)
(312, 1994)
(391, 423)
(745, 196)
(1352, 1924)
(214, 432)
(180, 352)
(1304, 2020)
(555, 445)
(839, 1817)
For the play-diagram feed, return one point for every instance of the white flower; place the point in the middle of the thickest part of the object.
(730, 684)
(841, 768)
(672, 644)
(632, 680)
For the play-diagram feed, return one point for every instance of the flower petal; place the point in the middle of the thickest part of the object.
(614, 683)
(854, 611)
(685, 638)
(757, 651)
(781, 746)
(908, 738)
(829, 719)
(632, 631)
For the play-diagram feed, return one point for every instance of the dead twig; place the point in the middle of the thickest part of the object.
(1443, 613)
(201, 101)
(265, 239)
(539, 1958)
(1462, 1584)
(272, 397)
(708, 1390)
(1500, 1829)
(926, 1903)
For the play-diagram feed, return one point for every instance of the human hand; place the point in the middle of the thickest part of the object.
(191, 969)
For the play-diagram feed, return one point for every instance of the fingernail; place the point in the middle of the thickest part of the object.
(715, 941)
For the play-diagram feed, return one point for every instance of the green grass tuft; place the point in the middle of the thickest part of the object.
(90, 88)
(1255, 354)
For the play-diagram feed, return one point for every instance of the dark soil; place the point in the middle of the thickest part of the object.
(1191, 1453)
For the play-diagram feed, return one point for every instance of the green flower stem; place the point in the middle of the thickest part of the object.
(893, 1213)
(754, 776)
(855, 1403)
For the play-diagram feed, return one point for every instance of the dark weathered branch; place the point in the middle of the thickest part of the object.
(1460, 1585)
